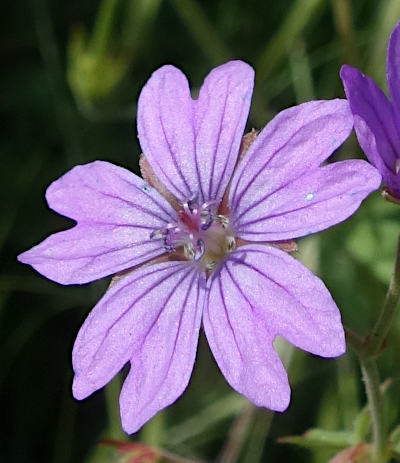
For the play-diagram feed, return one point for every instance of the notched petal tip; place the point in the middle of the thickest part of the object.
(153, 306)
(115, 213)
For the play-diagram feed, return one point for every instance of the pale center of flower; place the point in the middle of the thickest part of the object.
(204, 235)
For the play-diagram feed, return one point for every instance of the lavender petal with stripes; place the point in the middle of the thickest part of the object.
(212, 229)
(376, 119)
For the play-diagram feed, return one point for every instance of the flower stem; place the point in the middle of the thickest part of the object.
(385, 319)
(367, 353)
(375, 399)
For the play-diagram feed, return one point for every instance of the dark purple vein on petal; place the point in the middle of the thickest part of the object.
(166, 371)
(162, 279)
(280, 214)
(230, 151)
(155, 159)
(227, 317)
(216, 146)
(265, 165)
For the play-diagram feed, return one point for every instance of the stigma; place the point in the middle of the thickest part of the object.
(203, 235)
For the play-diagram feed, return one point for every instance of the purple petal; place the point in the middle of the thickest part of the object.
(260, 293)
(393, 70)
(103, 193)
(221, 115)
(242, 346)
(317, 200)
(192, 146)
(152, 319)
(165, 122)
(296, 140)
(116, 213)
(292, 301)
(374, 123)
(86, 253)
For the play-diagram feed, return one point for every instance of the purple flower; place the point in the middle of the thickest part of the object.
(206, 249)
(376, 119)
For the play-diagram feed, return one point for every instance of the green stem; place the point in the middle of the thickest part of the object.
(367, 353)
(388, 312)
(375, 399)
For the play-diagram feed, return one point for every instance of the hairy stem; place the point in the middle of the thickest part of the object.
(376, 405)
(385, 319)
(367, 353)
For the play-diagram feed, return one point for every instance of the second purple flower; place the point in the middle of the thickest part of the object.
(376, 119)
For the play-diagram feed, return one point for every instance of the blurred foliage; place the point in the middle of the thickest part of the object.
(71, 75)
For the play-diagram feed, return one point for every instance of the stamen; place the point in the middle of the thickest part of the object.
(222, 219)
(157, 234)
(230, 243)
(186, 208)
(204, 235)
(206, 219)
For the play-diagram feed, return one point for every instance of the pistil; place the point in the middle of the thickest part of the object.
(204, 235)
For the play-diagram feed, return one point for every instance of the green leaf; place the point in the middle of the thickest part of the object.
(200, 423)
(362, 424)
(320, 438)
(395, 439)
(300, 14)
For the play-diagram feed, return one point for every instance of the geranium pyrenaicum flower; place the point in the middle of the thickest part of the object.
(206, 248)
(376, 119)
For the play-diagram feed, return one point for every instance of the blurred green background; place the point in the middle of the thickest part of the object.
(71, 75)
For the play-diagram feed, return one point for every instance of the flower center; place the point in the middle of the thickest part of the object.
(204, 235)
